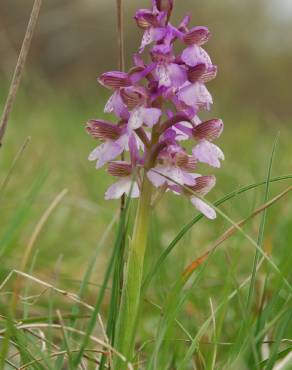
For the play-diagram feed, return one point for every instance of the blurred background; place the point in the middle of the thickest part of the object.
(75, 42)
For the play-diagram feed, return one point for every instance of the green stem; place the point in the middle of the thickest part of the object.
(130, 301)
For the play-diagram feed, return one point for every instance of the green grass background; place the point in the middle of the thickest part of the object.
(56, 158)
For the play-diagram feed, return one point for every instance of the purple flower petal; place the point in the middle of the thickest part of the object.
(150, 35)
(177, 75)
(133, 147)
(183, 130)
(115, 104)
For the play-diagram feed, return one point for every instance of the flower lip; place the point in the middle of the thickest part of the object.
(114, 79)
(198, 35)
(209, 130)
(119, 168)
(103, 130)
(134, 96)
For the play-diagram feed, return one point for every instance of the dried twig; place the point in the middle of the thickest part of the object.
(18, 72)
(18, 155)
(72, 296)
(68, 328)
(121, 44)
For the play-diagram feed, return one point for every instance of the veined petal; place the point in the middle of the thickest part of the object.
(203, 184)
(123, 186)
(204, 208)
(197, 35)
(209, 153)
(103, 130)
(194, 55)
(114, 79)
(209, 130)
(119, 168)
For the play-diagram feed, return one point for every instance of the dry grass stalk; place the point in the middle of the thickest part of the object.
(18, 72)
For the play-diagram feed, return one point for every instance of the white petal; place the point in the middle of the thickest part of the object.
(209, 153)
(156, 179)
(121, 187)
(95, 153)
(195, 95)
(135, 120)
(105, 152)
(109, 107)
(194, 55)
(204, 208)
(162, 74)
(150, 116)
(147, 38)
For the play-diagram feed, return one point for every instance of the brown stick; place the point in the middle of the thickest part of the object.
(121, 44)
(18, 72)
(121, 61)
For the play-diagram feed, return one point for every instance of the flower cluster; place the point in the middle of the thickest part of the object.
(157, 103)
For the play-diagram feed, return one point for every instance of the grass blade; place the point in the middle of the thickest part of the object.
(100, 297)
(190, 224)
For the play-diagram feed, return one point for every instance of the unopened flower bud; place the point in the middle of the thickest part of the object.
(209, 130)
(202, 73)
(197, 35)
(165, 6)
(114, 79)
(119, 168)
(103, 130)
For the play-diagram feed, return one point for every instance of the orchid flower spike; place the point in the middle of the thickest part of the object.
(158, 103)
